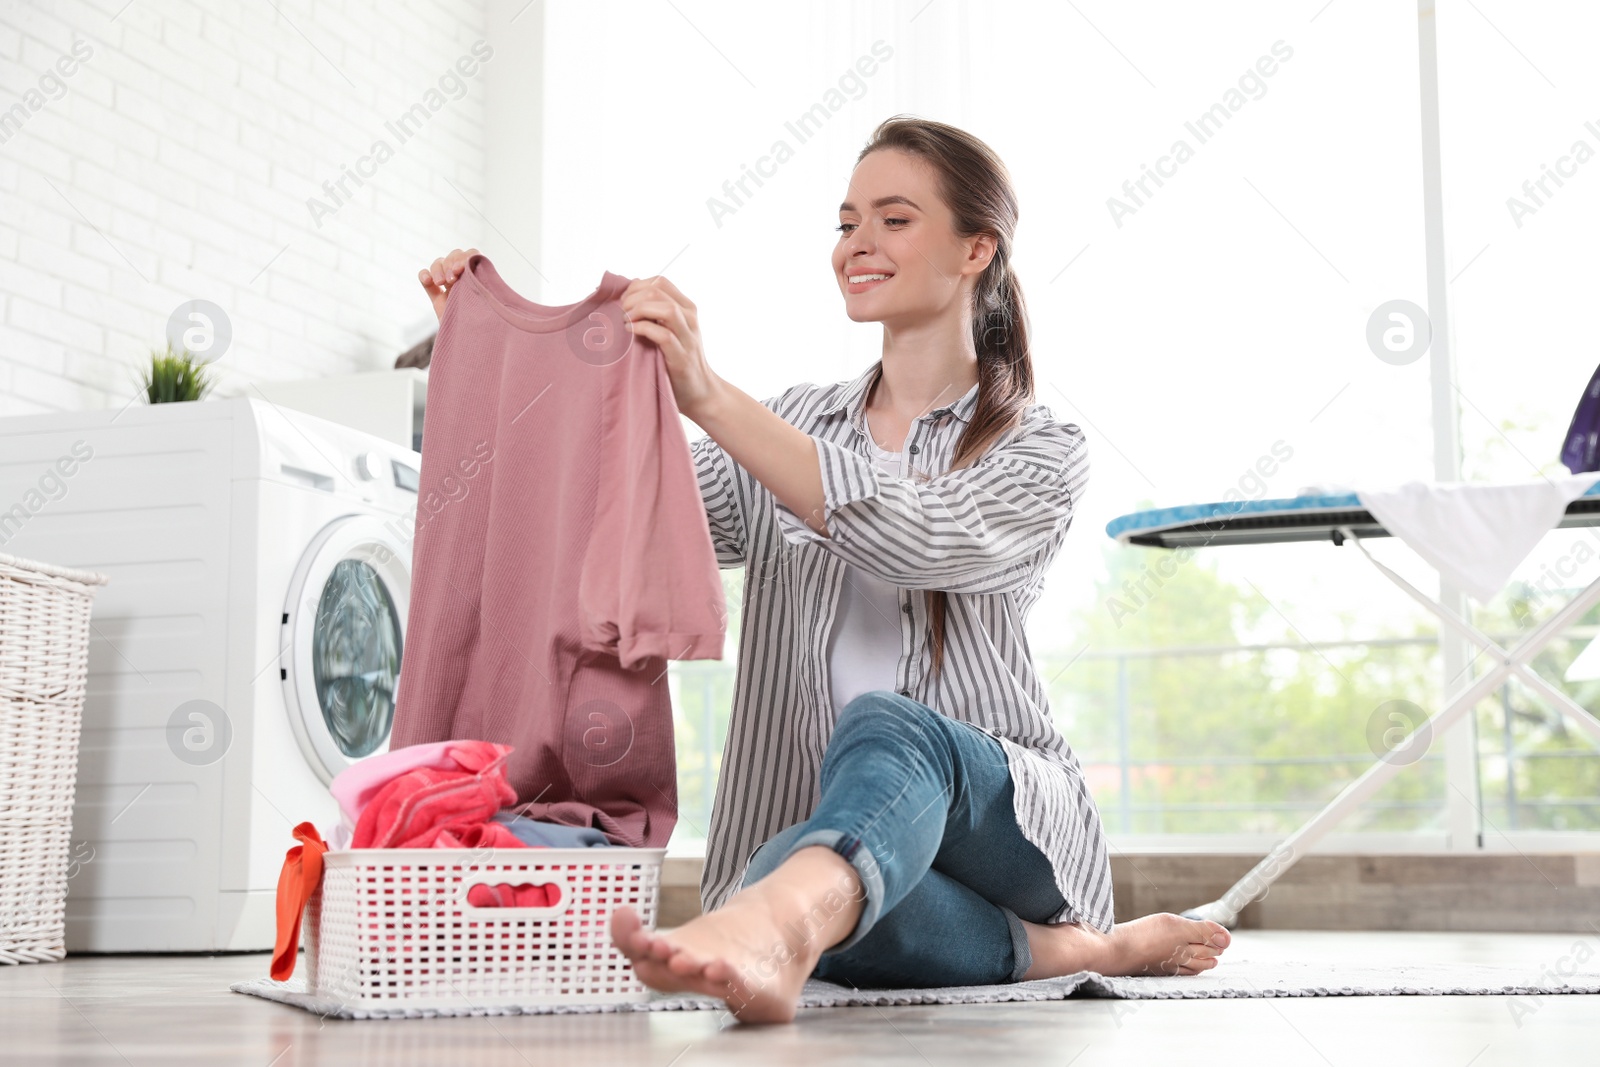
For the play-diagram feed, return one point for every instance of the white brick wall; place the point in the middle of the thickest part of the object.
(178, 165)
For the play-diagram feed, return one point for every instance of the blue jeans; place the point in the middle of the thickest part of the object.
(921, 806)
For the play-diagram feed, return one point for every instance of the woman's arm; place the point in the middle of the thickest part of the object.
(974, 530)
(979, 529)
(720, 495)
(779, 456)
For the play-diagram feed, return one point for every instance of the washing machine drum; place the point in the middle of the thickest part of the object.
(345, 629)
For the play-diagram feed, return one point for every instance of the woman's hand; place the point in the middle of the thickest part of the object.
(442, 274)
(655, 310)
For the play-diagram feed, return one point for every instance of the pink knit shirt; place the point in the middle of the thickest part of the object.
(562, 556)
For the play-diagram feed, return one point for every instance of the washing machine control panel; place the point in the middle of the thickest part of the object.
(405, 476)
(374, 466)
(369, 465)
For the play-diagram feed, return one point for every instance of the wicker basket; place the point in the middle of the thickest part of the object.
(44, 652)
(392, 928)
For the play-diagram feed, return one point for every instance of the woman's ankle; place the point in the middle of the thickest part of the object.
(816, 896)
(1066, 948)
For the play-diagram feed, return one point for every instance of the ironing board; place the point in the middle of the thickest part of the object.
(1340, 518)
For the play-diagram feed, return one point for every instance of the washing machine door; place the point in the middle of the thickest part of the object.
(345, 621)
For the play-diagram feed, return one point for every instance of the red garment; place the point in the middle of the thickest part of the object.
(481, 835)
(415, 809)
(562, 555)
(301, 874)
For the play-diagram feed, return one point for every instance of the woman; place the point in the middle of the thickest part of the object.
(919, 819)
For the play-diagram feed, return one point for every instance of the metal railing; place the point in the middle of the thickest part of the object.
(702, 690)
(1125, 765)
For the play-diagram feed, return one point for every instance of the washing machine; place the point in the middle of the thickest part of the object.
(246, 650)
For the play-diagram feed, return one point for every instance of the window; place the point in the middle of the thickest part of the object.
(1520, 143)
(1214, 204)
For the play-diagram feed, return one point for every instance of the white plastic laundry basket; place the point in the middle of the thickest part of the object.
(44, 653)
(391, 928)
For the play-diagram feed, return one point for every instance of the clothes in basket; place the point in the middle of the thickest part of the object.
(447, 795)
(541, 834)
(397, 774)
(435, 806)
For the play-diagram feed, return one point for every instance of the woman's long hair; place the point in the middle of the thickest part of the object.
(977, 187)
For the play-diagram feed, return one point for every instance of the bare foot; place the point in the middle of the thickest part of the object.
(1155, 944)
(757, 950)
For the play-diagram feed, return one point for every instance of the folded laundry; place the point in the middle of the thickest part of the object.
(542, 834)
(416, 808)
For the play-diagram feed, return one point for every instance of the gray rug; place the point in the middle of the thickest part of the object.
(1246, 978)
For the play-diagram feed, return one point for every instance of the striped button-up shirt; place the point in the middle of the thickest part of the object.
(985, 534)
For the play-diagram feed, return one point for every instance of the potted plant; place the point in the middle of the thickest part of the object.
(174, 376)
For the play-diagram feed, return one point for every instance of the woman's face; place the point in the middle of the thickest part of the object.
(892, 222)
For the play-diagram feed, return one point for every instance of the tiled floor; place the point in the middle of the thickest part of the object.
(177, 1010)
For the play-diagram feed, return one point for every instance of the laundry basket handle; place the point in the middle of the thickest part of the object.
(491, 879)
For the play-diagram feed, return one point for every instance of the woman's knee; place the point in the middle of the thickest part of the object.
(886, 711)
(885, 719)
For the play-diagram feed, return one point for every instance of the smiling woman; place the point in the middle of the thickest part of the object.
(892, 770)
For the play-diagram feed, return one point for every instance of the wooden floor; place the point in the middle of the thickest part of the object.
(177, 1010)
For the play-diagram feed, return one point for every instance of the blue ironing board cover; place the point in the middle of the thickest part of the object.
(1295, 518)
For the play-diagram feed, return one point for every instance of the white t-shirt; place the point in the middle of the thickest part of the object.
(864, 647)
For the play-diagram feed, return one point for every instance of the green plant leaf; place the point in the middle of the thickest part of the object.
(173, 377)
